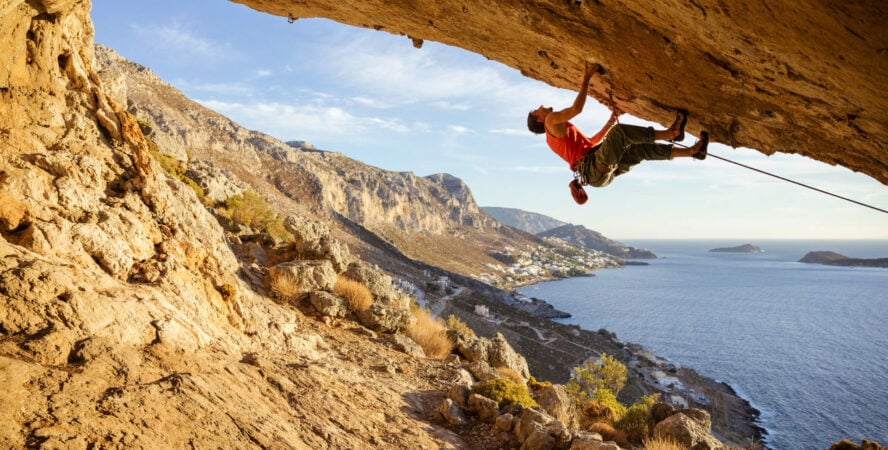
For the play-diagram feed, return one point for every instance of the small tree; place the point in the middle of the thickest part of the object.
(607, 373)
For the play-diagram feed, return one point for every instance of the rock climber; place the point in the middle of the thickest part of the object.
(614, 149)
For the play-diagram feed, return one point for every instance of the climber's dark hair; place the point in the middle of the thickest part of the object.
(534, 125)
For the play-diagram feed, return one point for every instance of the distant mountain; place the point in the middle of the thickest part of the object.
(581, 236)
(532, 223)
(547, 227)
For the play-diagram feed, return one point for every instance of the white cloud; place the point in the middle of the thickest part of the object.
(261, 73)
(303, 121)
(509, 131)
(180, 42)
(459, 129)
(372, 102)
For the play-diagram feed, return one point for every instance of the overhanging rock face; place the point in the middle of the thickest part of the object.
(786, 76)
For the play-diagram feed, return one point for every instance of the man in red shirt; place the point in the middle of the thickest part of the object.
(614, 149)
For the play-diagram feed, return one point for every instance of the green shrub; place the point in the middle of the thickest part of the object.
(608, 374)
(505, 392)
(250, 209)
(602, 407)
(635, 423)
(454, 323)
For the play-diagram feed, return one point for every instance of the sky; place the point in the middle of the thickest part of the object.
(376, 98)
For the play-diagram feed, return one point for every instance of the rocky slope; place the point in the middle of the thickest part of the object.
(130, 317)
(780, 76)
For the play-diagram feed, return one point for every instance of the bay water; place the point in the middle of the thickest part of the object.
(805, 344)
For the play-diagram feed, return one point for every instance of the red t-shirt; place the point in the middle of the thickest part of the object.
(572, 146)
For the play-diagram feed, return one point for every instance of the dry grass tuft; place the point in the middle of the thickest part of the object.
(661, 443)
(510, 373)
(431, 334)
(286, 287)
(356, 293)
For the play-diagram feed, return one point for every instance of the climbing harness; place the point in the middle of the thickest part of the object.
(794, 182)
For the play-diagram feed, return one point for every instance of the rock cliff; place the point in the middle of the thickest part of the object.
(129, 317)
(780, 76)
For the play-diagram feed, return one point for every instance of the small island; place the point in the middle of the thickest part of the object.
(745, 248)
(835, 259)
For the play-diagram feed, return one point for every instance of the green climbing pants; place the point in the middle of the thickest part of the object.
(623, 147)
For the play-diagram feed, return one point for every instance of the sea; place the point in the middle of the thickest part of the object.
(805, 344)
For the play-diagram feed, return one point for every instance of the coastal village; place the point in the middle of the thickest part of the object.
(558, 260)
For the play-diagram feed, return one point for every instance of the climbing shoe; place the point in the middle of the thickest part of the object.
(704, 139)
(681, 119)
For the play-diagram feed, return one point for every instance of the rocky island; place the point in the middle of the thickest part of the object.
(835, 259)
(745, 248)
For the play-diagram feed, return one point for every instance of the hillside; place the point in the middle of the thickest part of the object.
(149, 300)
(530, 222)
(384, 215)
(575, 235)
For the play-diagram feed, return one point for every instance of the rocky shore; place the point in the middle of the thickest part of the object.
(552, 349)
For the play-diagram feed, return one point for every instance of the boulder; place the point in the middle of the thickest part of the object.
(404, 344)
(687, 431)
(386, 319)
(482, 371)
(700, 416)
(471, 348)
(555, 401)
(452, 413)
(584, 440)
(486, 409)
(314, 237)
(307, 275)
(501, 354)
(660, 411)
(504, 423)
(328, 304)
(538, 439)
(529, 421)
(218, 184)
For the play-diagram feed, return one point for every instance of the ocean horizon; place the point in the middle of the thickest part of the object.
(805, 344)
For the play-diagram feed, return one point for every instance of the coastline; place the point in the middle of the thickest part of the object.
(735, 421)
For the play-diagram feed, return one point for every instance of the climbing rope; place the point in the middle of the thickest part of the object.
(613, 107)
(794, 182)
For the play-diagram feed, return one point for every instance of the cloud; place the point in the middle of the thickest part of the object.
(509, 131)
(459, 129)
(437, 75)
(372, 102)
(303, 121)
(180, 42)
